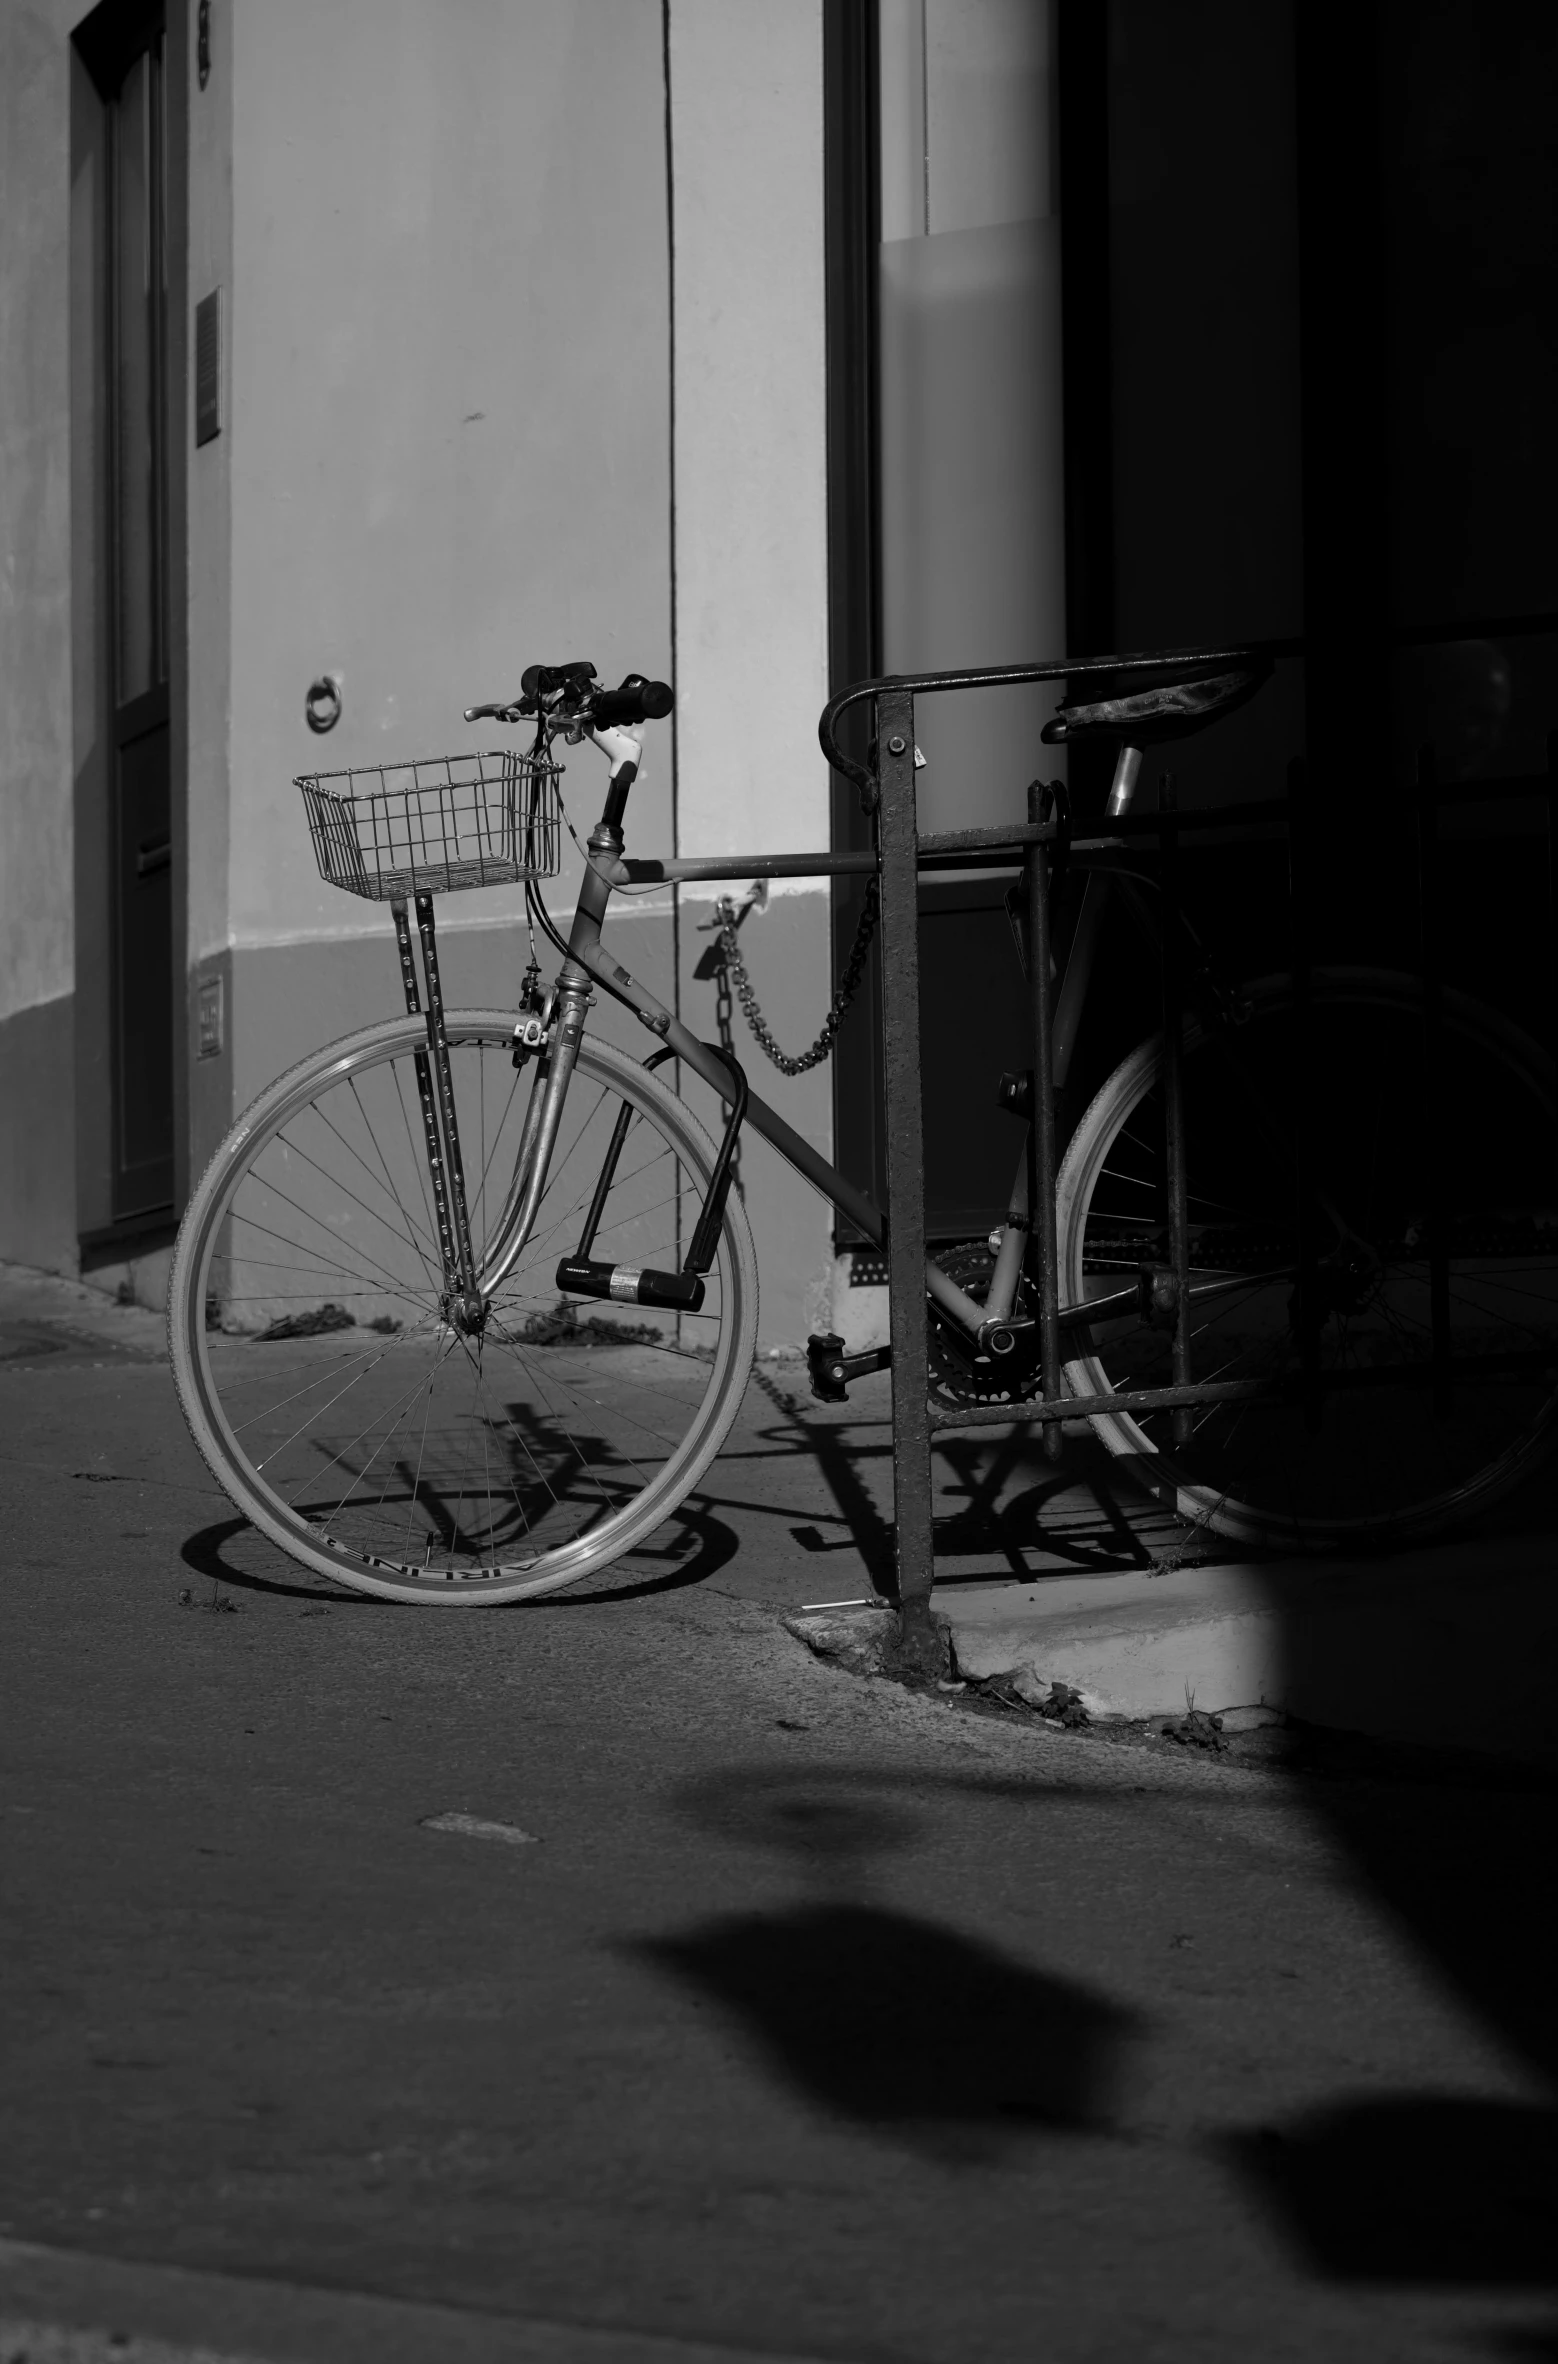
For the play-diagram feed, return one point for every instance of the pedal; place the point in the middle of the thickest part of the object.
(631, 1284)
(1014, 1093)
(831, 1369)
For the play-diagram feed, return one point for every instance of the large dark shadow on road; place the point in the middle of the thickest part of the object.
(1429, 2187)
(1448, 2191)
(887, 2018)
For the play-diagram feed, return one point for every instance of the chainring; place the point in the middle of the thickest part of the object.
(959, 1372)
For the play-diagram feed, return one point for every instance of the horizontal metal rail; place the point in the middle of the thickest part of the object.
(908, 686)
(650, 870)
(1085, 1407)
(950, 847)
(1286, 1390)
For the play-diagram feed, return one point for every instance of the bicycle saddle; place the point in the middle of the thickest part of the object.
(1166, 710)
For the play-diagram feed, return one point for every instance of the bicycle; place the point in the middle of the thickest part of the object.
(464, 1306)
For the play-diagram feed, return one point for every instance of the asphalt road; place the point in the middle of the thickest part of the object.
(808, 2017)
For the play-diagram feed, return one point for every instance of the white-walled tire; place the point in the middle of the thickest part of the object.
(352, 1424)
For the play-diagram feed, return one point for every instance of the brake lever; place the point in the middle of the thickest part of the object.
(520, 710)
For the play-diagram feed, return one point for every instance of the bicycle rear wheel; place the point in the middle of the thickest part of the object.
(1393, 1459)
(343, 1414)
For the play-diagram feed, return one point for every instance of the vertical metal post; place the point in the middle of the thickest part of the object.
(1182, 1421)
(1042, 1199)
(1306, 1212)
(900, 941)
(1552, 893)
(1435, 1114)
(443, 1085)
(424, 1075)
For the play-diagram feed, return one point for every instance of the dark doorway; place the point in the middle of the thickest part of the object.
(1276, 318)
(124, 50)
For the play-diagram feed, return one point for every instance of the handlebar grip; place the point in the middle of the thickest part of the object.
(637, 700)
(498, 713)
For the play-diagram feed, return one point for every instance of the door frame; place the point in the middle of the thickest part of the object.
(101, 48)
(852, 191)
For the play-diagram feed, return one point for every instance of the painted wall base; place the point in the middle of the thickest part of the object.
(860, 1315)
(287, 1000)
(37, 1136)
(134, 1280)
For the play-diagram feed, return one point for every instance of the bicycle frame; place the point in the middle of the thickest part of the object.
(589, 963)
(991, 1324)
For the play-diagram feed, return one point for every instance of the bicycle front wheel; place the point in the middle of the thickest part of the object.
(1394, 1458)
(346, 1417)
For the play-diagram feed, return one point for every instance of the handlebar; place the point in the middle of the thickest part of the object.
(568, 692)
(636, 701)
(544, 681)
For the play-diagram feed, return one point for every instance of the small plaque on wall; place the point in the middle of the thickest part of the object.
(208, 1018)
(208, 367)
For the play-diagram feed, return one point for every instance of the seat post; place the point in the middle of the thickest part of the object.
(1127, 767)
(1090, 919)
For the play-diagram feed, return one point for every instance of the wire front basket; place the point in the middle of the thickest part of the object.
(425, 828)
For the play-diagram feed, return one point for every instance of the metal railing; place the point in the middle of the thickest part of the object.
(889, 790)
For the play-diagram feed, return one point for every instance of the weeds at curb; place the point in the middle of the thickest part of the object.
(220, 1603)
(315, 1324)
(1024, 1692)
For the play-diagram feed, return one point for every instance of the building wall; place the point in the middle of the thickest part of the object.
(973, 526)
(449, 446)
(751, 562)
(37, 973)
(472, 417)
(450, 452)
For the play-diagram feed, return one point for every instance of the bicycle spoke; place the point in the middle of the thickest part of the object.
(396, 1411)
(391, 1280)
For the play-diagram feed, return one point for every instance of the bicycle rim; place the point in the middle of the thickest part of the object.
(339, 1408)
(1393, 1459)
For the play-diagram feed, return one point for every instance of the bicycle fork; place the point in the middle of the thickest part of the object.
(463, 1305)
(468, 1284)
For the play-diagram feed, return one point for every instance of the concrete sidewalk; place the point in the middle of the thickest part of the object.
(1455, 1647)
(63, 2307)
(1062, 1570)
(821, 2018)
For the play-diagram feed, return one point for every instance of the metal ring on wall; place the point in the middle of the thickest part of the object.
(322, 706)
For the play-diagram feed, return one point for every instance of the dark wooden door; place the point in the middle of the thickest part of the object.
(141, 913)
